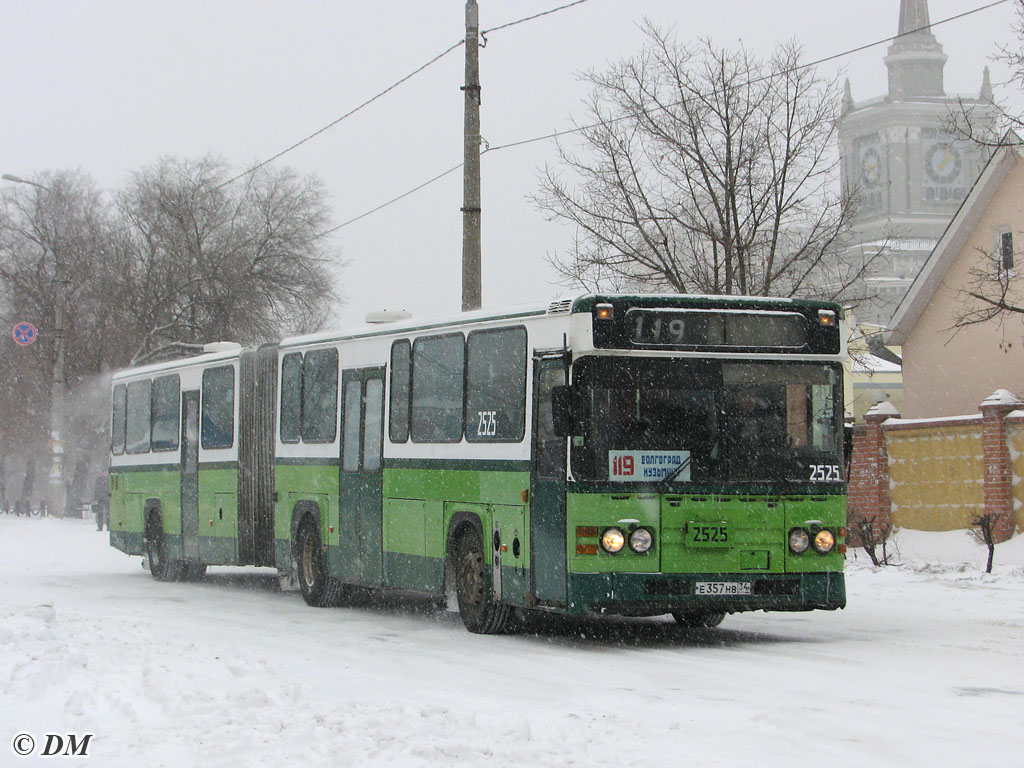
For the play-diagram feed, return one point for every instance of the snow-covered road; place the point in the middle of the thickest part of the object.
(925, 668)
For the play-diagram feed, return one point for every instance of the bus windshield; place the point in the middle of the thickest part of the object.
(706, 421)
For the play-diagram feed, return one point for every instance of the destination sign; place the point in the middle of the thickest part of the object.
(745, 325)
(704, 328)
(647, 466)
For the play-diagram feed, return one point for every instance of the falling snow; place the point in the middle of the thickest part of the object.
(925, 667)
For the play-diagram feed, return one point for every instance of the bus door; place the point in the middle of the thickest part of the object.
(547, 488)
(361, 484)
(190, 475)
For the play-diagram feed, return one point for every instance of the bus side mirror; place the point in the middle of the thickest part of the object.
(561, 410)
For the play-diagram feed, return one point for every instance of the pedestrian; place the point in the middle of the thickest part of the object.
(101, 501)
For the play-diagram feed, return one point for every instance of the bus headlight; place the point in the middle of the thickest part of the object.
(641, 540)
(613, 540)
(799, 541)
(824, 541)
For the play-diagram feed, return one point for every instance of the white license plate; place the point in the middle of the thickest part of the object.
(722, 588)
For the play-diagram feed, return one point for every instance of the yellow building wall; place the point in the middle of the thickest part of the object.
(949, 370)
(1015, 440)
(935, 476)
(866, 389)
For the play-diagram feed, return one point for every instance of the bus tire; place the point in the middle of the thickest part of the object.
(480, 614)
(694, 620)
(161, 567)
(193, 571)
(317, 588)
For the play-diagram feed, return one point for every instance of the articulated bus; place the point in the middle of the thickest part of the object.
(610, 454)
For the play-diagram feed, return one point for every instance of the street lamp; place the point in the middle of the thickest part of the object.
(56, 491)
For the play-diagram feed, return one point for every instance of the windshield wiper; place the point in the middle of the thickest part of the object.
(663, 484)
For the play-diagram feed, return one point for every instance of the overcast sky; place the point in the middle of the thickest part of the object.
(109, 86)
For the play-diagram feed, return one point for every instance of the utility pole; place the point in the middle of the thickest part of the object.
(471, 291)
(58, 463)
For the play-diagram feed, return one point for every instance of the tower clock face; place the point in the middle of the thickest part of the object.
(943, 162)
(870, 166)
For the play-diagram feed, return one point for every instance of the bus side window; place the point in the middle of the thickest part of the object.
(166, 422)
(373, 434)
(137, 422)
(438, 365)
(117, 419)
(496, 386)
(320, 396)
(350, 426)
(398, 404)
(218, 414)
(550, 446)
(291, 398)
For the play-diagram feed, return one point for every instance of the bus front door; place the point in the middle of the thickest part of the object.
(547, 489)
(190, 475)
(361, 483)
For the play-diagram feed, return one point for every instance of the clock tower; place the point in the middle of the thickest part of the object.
(908, 173)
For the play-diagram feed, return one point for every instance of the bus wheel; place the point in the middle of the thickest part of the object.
(161, 567)
(193, 571)
(693, 620)
(479, 612)
(318, 589)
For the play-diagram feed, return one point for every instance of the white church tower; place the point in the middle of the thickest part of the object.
(909, 173)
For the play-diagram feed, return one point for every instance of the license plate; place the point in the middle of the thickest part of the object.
(707, 534)
(722, 588)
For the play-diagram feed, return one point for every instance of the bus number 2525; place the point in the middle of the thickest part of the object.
(488, 423)
(826, 473)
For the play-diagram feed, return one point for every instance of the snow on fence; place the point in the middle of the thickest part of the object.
(940, 474)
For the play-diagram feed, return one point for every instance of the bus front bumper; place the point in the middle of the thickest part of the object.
(651, 594)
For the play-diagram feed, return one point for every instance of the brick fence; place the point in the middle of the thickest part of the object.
(939, 474)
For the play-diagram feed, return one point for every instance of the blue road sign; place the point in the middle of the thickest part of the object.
(24, 334)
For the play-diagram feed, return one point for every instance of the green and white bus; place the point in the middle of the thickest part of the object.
(608, 454)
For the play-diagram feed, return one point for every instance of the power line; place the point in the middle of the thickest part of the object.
(346, 115)
(392, 200)
(484, 32)
(390, 88)
(580, 129)
(753, 81)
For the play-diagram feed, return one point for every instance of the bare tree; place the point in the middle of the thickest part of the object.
(983, 531)
(705, 170)
(873, 531)
(992, 291)
(180, 260)
(48, 232)
(51, 233)
(201, 261)
(975, 121)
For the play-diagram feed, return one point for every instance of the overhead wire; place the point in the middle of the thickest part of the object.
(392, 200)
(753, 81)
(580, 129)
(387, 90)
(531, 18)
(345, 116)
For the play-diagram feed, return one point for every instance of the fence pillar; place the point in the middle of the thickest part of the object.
(996, 458)
(869, 492)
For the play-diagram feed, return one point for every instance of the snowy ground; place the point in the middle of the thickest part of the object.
(925, 668)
